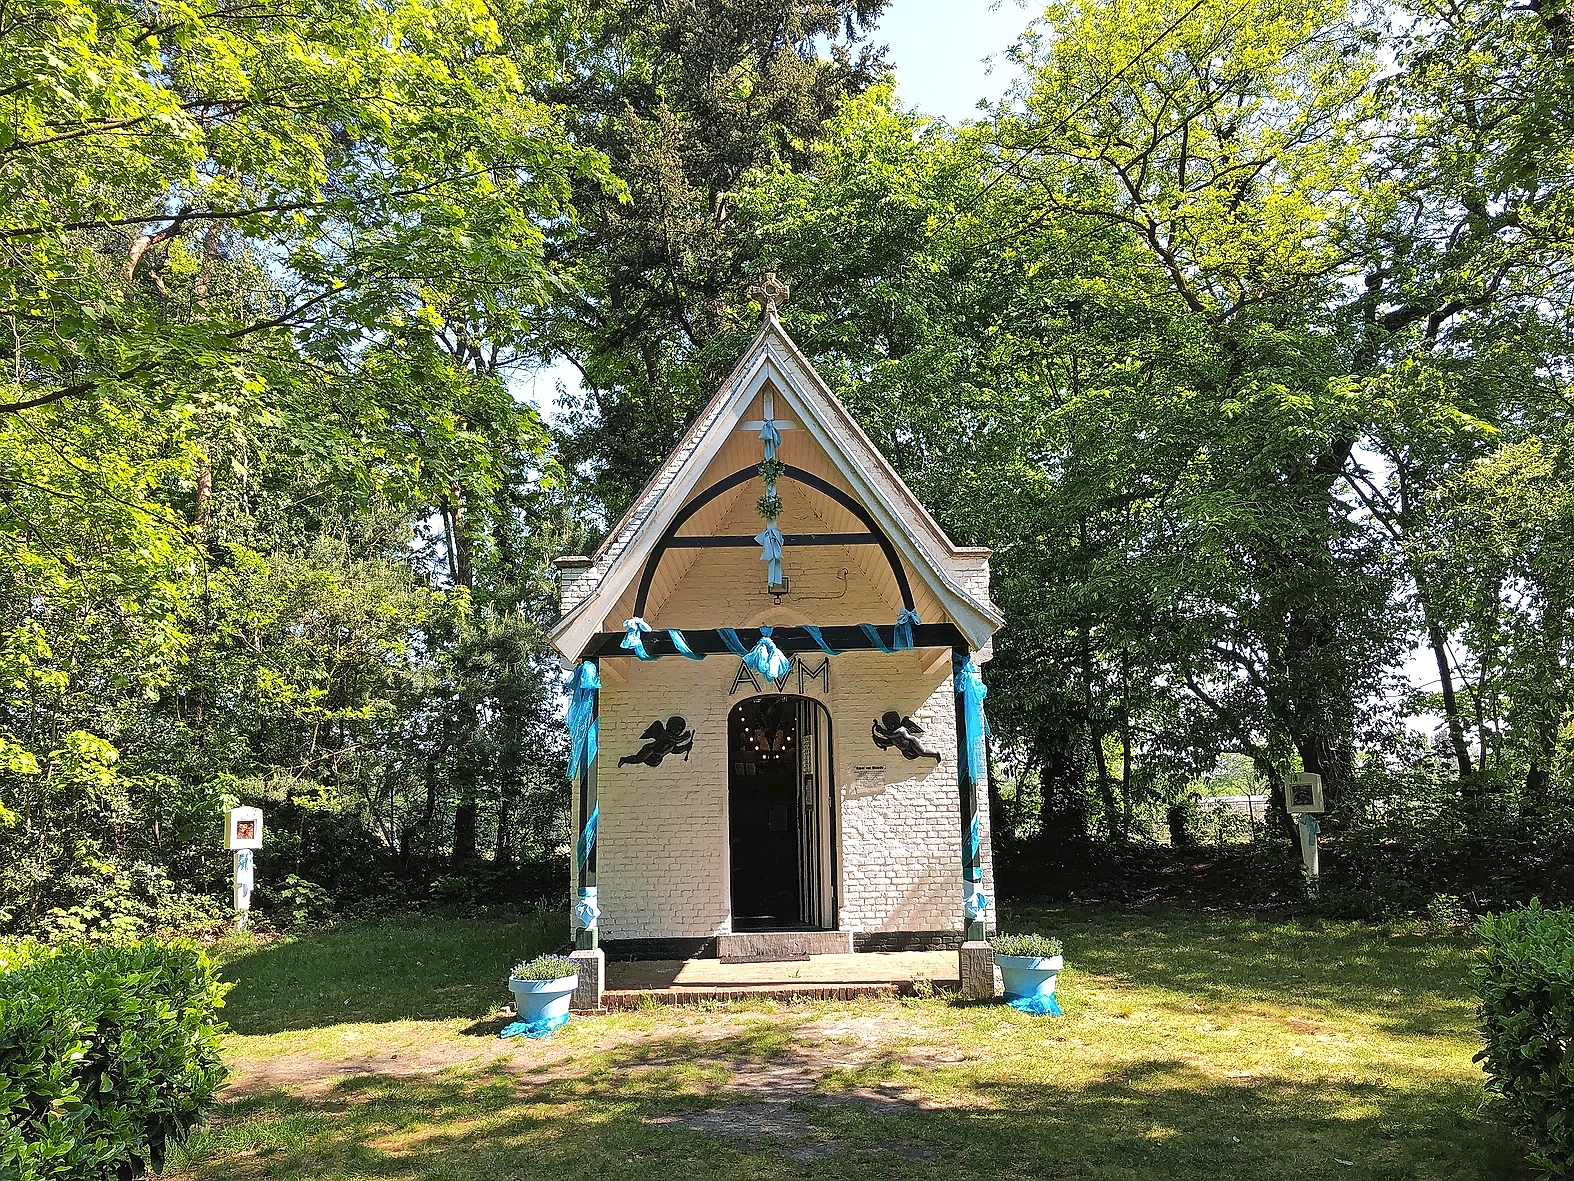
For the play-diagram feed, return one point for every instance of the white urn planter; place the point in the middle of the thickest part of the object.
(537, 1001)
(1030, 979)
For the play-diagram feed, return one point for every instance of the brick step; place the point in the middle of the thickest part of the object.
(771, 946)
(632, 998)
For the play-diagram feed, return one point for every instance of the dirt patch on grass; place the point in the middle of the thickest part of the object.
(726, 1046)
(793, 1127)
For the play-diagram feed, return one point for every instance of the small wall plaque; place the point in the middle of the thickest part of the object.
(1303, 793)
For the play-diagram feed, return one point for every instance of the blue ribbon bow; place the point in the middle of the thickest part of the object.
(582, 728)
(771, 437)
(975, 903)
(902, 640)
(771, 551)
(587, 910)
(767, 659)
(633, 640)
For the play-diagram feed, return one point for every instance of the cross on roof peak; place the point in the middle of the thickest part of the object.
(770, 293)
(767, 404)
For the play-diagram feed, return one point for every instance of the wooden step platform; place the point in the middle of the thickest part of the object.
(772, 946)
(845, 976)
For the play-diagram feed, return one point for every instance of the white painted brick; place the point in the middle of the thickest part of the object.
(663, 849)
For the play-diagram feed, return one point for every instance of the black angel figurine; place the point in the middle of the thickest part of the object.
(675, 738)
(902, 733)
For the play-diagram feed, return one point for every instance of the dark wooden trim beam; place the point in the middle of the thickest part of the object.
(789, 472)
(740, 541)
(791, 640)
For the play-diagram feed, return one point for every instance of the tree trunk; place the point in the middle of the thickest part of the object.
(1445, 677)
(1096, 731)
(997, 807)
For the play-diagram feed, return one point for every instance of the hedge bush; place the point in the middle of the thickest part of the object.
(108, 1053)
(1526, 982)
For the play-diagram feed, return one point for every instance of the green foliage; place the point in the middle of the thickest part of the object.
(1526, 982)
(1036, 946)
(544, 967)
(1249, 361)
(265, 271)
(684, 99)
(110, 1056)
(300, 902)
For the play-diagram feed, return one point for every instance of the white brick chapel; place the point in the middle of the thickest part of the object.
(836, 800)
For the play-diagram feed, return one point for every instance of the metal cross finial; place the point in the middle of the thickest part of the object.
(770, 293)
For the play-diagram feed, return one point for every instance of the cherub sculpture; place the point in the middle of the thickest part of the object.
(675, 738)
(894, 730)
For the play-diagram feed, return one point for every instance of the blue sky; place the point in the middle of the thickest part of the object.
(939, 47)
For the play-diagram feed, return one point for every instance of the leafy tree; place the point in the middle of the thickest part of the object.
(684, 99)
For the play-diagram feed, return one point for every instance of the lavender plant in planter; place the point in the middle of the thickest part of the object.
(1028, 966)
(542, 988)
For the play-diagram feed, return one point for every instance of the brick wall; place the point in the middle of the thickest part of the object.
(663, 854)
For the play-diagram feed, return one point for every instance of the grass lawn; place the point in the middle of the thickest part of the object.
(1192, 1046)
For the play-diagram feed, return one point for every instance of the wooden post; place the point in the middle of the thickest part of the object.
(586, 937)
(243, 886)
(967, 791)
(587, 955)
(975, 959)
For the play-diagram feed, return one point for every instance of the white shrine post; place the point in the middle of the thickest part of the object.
(1303, 799)
(243, 835)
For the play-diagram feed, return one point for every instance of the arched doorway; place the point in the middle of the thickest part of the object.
(781, 814)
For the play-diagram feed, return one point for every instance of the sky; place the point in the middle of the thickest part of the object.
(939, 47)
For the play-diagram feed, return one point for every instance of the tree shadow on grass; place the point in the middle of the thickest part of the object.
(408, 968)
(1416, 985)
(653, 1109)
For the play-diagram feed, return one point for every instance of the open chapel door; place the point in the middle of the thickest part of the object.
(817, 822)
(780, 814)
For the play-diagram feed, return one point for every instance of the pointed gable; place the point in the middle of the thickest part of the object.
(705, 487)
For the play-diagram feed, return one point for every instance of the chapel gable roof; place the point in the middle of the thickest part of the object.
(958, 577)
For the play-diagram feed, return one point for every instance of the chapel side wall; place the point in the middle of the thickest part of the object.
(901, 845)
(662, 859)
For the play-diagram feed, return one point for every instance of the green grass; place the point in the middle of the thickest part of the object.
(1192, 1046)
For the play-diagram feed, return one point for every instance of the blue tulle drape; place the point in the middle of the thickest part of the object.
(814, 634)
(771, 552)
(534, 1029)
(767, 659)
(972, 690)
(682, 645)
(583, 683)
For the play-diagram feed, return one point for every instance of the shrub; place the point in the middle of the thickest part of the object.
(108, 1053)
(1038, 946)
(545, 967)
(302, 903)
(1526, 982)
